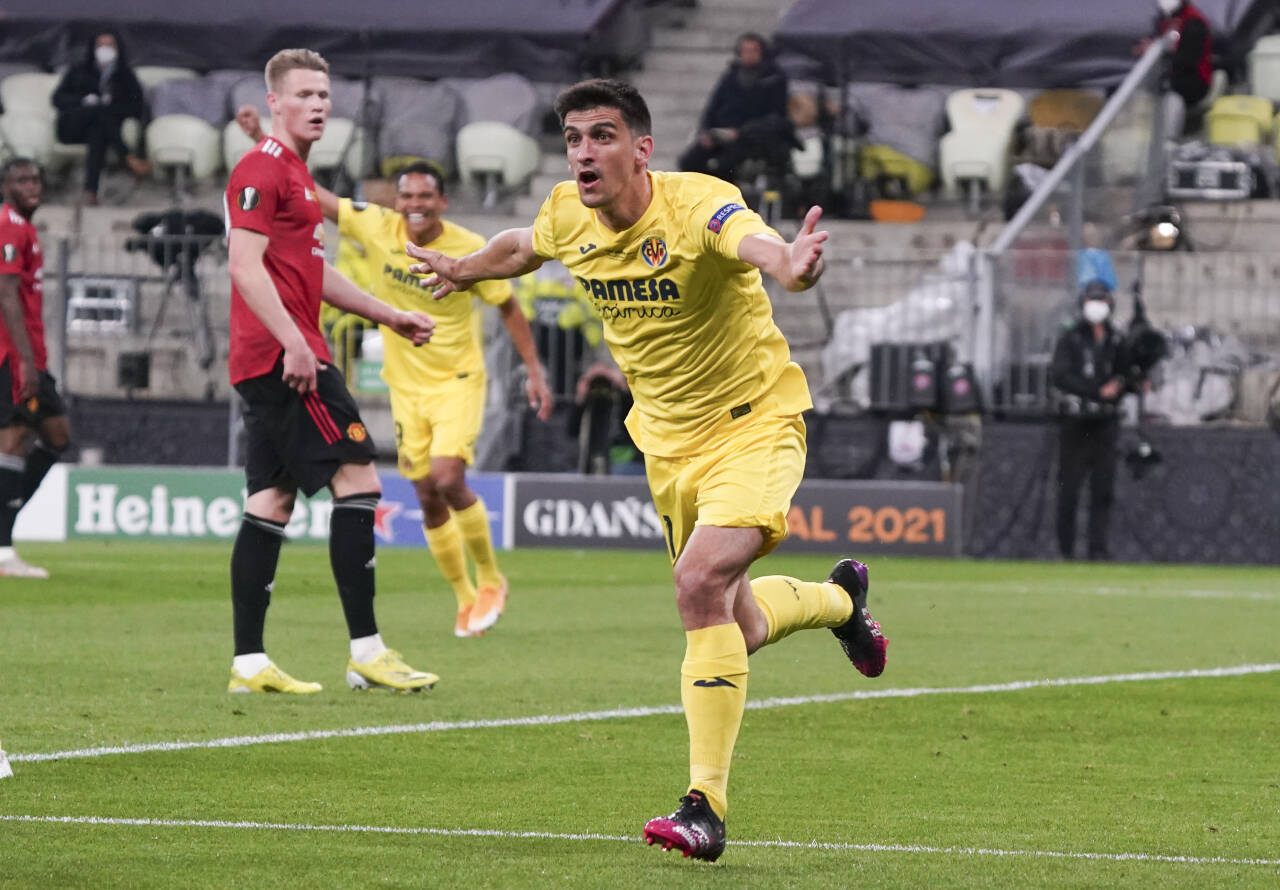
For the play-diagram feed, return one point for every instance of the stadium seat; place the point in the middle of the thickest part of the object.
(331, 150)
(1239, 120)
(1264, 68)
(151, 76)
(882, 162)
(903, 127)
(28, 135)
(185, 142)
(28, 92)
(979, 148)
(506, 98)
(424, 125)
(493, 152)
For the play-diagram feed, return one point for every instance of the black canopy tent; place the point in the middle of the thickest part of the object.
(994, 43)
(548, 40)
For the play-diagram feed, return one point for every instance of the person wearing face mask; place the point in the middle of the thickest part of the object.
(1087, 376)
(94, 99)
(746, 116)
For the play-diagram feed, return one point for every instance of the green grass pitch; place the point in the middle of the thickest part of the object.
(954, 777)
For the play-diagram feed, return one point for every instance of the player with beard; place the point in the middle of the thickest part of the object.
(304, 430)
(437, 394)
(30, 402)
(672, 261)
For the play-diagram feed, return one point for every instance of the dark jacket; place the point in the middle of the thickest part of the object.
(84, 78)
(1081, 365)
(736, 101)
(1191, 67)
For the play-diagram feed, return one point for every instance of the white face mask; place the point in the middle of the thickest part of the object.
(104, 55)
(1168, 7)
(1096, 311)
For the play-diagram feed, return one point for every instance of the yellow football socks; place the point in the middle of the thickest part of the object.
(445, 543)
(790, 604)
(474, 524)
(713, 688)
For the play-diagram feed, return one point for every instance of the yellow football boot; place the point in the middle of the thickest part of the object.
(388, 671)
(271, 679)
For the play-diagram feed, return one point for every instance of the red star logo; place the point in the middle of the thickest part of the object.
(382, 516)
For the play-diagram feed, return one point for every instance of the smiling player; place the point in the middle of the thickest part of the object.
(673, 261)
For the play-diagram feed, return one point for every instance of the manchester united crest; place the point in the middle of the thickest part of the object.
(356, 432)
(653, 251)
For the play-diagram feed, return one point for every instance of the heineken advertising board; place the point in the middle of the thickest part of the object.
(207, 504)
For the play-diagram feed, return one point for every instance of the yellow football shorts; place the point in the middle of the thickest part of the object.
(438, 420)
(746, 480)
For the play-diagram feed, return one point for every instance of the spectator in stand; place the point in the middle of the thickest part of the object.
(746, 116)
(1190, 70)
(94, 99)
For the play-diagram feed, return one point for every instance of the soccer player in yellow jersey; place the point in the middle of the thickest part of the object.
(673, 263)
(437, 395)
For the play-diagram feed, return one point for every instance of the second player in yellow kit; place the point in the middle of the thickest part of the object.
(672, 261)
(437, 395)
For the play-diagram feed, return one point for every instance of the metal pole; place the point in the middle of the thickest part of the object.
(1077, 150)
(64, 294)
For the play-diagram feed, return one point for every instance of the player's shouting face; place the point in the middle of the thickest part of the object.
(604, 155)
(301, 105)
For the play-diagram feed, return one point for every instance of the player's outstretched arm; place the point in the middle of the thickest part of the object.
(339, 291)
(508, 254)
(796, 266)
(522, 338)
(249, 275)
(251, 124)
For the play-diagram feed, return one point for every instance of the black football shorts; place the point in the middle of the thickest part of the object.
(34, 411)
(299, 441)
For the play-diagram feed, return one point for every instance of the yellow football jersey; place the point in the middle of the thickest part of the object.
(455, 345)
(689, 324)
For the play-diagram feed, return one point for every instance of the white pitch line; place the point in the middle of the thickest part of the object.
(625, 713)
(1065, 587)
(591, 836)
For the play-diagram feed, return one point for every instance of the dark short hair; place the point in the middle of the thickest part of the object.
(423, 168)
(14, 163)
(1096, 290)
(615, 94)
(754, 37)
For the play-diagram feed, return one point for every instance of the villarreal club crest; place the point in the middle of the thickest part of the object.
(654, 251)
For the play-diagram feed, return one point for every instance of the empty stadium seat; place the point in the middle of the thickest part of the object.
(28, 91)
(185, 142)
(1264, 68)
(506, 98)
(151, 76)
(424, 125)
(330, 150)
(1239, 120)
(495, 152)
(979, 147)
(28, 135)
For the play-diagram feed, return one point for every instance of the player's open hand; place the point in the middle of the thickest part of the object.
(300, 367)
(30, 376)
(441, 271)
(413, 326)
(806, 250)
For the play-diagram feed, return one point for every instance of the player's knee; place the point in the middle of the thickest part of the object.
(56, 444)
(695, 586)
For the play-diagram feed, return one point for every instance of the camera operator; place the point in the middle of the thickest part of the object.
(1088, 373)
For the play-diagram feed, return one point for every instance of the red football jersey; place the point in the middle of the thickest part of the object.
(20, 255)
(272, 192)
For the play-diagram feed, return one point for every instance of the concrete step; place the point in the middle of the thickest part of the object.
(713, 40)
(681, 63)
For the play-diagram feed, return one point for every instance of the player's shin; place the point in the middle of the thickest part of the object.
(253, 569)
(351, 555)
(445, 543)
(713, 689)
(39, 461)
(790, 604)
(11, 498)
(473, 522)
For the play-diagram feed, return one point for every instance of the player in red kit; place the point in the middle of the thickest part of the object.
(29, 400)
(303, 428)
